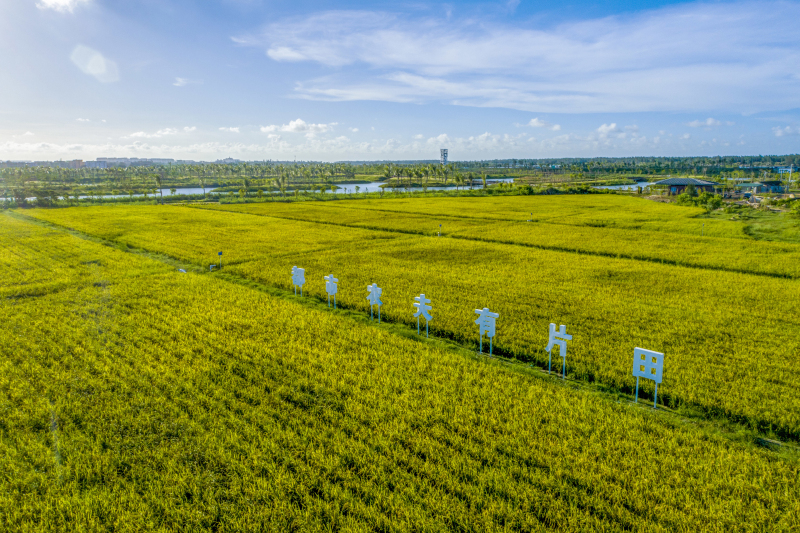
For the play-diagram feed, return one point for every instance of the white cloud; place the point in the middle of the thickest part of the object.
(354, 130)
(685, 136)
(536, 123)
(301, 126)
(84, 120)
(231, 129)
(93, 63)
(182, 82)
(441, 139)
(283, 53)
(61, 5)
(26, 134)
(417, 136)
(605, 129)
(188, 129)
(160, 133)
(698, 56)
(782, 132)
(707, 123)
(613, 140)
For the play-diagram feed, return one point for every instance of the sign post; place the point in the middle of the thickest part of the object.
(298, 279)
(422, 306)
(648, 364)
(331, 288)
(374, 298)
(486, 325)
(558, 338)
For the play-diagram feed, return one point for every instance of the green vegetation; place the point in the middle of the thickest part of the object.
(139, 398)
(48, 184)
(741, 323)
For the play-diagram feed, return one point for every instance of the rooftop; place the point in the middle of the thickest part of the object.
(686, 181)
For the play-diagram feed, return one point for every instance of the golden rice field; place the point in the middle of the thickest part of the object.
(135, 398)
(731, 339)
(607, 233)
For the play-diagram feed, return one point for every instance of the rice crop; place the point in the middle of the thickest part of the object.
(148, 399)
(730, 339)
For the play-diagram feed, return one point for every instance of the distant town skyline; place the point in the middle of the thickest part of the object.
(344, 80)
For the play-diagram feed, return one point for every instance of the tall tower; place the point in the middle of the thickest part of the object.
(443, 156)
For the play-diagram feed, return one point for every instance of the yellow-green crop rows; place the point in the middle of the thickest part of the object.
(671, 244)
(731, 340)
(134, 397)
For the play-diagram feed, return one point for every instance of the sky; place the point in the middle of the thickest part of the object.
(355, 80)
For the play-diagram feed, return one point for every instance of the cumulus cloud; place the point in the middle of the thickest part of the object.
(605, 129)
(301, 126)
(610, 140)
(231, 129)
(160, 133)
(536, 123)
(92, 62)
(698, 56)
(61, 5)
(707, 123)
(787, 130)
(354, 130)
(83, 120)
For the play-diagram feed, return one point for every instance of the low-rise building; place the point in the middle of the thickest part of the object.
(678, 185)
(768, 186)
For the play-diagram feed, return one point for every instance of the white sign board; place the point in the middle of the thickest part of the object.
(650, 365)
(486, 322)
(374, 298)
(331, 288)
(298, 278)
(422, 306)
(558, 338)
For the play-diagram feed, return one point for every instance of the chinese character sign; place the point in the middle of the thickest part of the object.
(558, 338)
(374, 298)
(648, 364)
(421, 303)
(331, 288)
(298, 278)
(485, 324)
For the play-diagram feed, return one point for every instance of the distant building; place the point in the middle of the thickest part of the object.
(227, 161)
(772, 186)
(678, 185)
(443, 156)
(96, 164)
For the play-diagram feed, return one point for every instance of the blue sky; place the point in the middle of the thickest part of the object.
(333, 81)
